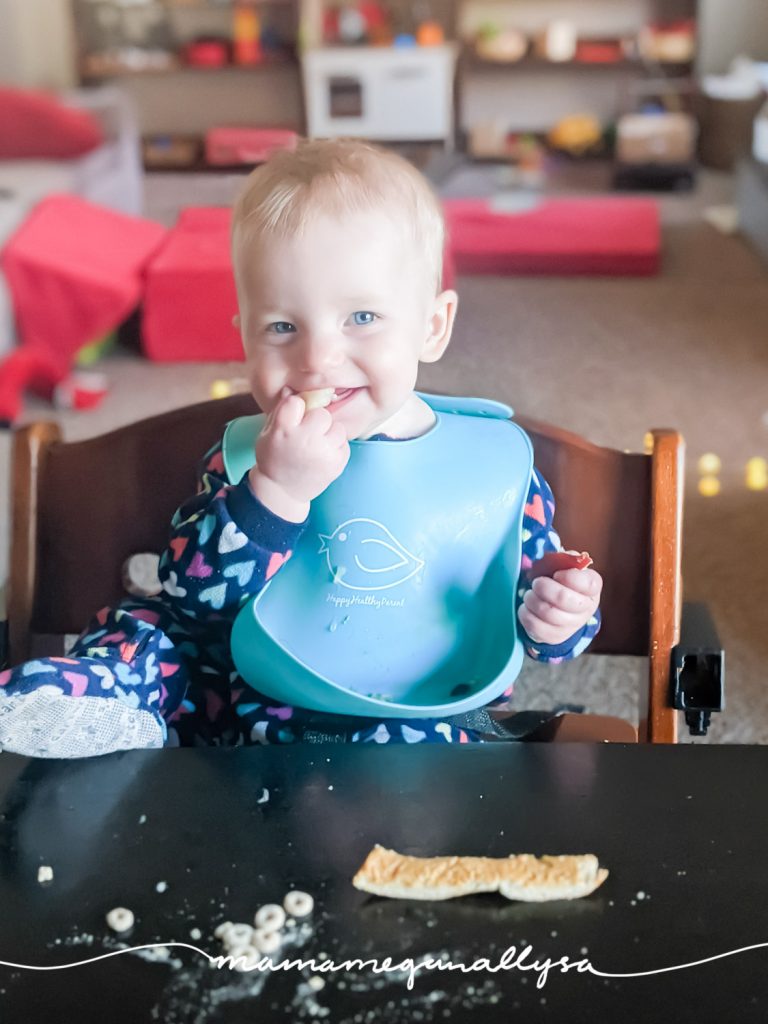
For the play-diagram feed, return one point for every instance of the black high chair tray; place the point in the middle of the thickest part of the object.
(187, 839)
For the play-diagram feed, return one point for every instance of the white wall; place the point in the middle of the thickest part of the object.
(190, 102)
(728, 28)
(10, 69)
(36, 43)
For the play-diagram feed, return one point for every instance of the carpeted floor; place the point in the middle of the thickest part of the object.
(607, 358)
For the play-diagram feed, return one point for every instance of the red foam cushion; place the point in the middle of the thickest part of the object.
(34, 125)
(612, 236)
(190, 295)
(75, 271)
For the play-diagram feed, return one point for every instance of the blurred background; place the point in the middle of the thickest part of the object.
(604, 170)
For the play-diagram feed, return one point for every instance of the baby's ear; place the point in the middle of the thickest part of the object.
(440, 326)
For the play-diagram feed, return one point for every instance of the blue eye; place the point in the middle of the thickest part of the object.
(281, 327)
(363, 317)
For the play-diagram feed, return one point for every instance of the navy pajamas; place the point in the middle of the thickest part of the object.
(168, 660)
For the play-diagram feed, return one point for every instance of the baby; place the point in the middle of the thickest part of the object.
(337, 250)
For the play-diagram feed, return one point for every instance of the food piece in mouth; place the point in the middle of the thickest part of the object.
(318, 399)
(517, 877)
(554, 561)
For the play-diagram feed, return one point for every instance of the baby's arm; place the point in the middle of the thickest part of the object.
(225, 546)
(539, 537)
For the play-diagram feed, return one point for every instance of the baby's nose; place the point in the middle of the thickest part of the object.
(320, 352)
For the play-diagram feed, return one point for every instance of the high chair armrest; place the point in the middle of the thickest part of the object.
(697, 670)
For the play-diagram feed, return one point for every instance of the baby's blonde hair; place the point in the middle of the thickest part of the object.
(337, 176)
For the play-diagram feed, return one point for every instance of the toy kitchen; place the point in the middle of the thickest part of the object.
(362, 77)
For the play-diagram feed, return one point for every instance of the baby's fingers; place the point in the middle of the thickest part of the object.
(562, 595)
(540, 631)
(546, 612)
(288, 413)
(317, 422)
(583, 581)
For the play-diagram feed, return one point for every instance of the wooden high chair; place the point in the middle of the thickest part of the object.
(80, 509)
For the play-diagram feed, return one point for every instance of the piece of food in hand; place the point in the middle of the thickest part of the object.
(517, 877)
(318, 399)
(554, 561)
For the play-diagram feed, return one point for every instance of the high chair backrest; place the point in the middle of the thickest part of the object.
(80, 509)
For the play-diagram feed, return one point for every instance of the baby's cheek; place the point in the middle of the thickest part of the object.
(394, 367)
(265, 382)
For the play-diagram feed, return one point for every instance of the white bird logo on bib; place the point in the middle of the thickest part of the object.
(363, 555)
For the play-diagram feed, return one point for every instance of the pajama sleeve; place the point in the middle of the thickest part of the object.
(224, 547)
(539, 536)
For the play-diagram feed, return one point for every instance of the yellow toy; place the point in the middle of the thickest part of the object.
(576, 134)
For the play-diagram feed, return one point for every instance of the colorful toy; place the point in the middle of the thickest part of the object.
(91, 353)
(599, 51)
(558, 42)
(246, 32)
(366, 21)
(505, 46)
(36, 371)
(430, 33)
(576, 134)
(207, 53)
(351, 25)
(671, 42)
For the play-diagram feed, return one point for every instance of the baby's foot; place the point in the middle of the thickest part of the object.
(48, 723)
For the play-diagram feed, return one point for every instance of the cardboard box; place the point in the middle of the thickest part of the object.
(658, 138)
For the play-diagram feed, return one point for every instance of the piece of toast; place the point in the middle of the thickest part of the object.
(517, 877)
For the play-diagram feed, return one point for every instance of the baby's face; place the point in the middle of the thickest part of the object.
(347, 305)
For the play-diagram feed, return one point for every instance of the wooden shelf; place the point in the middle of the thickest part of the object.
(471, 61)
(193, 5)
(118, 71)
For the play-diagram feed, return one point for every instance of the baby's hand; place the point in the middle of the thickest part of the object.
(298, 454)
(556, 607)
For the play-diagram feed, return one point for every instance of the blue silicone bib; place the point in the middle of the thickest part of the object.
(400, 598)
